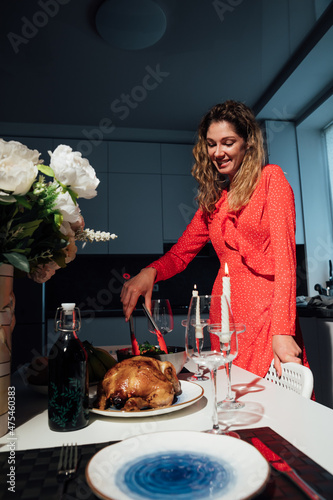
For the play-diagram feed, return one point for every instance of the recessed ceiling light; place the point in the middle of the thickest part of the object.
(130, 24)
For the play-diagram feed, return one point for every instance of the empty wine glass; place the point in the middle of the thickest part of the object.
(206, 345)
(198, 375)
(229, 402)
(162, 314)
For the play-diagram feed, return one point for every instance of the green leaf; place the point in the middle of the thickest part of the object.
(17, 260)
(58, 218)
(28, 228)
(45, 169)
(73, 195)
(23, 201)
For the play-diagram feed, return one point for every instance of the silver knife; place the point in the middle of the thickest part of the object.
(282, 466)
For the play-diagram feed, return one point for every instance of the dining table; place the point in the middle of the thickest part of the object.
(297, 428)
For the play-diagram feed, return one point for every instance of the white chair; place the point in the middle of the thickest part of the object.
(295, 377)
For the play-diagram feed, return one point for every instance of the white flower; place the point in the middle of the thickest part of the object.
(18, 168)
(74, 171)
(69, 211)
(91, 235)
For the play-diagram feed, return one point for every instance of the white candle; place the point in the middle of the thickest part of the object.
(198, 328)
(225, 337)
(225, 300)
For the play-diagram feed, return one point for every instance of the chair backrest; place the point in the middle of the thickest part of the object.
(295, 377)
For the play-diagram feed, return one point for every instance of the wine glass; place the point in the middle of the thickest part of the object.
(199, 375)
(229, 402)
(162, 314)
(206, 345)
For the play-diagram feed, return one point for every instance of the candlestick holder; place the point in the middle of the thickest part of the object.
(207, 344)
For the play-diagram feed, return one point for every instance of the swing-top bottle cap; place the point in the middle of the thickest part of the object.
(68, 306)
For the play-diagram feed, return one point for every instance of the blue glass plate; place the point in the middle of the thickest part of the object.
(186, 465)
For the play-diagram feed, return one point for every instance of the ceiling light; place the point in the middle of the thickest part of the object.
(130, 24)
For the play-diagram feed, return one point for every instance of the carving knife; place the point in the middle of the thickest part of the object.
(281, 466)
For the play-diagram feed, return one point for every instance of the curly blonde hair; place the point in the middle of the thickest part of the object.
(211, 182)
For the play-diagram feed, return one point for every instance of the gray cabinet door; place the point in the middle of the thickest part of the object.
(179, 205)
(177, 159)
(178, 189)
(134, 157)
(135, 213)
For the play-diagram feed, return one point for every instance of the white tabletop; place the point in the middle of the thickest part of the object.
(304, 423)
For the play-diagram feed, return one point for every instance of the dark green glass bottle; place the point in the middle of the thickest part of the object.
(68, 392)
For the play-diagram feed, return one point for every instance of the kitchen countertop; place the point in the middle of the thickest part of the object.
(314, 312)
(319, 306)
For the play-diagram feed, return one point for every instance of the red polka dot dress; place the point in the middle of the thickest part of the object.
(258, 244)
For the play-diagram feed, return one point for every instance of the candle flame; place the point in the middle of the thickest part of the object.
(226, 270)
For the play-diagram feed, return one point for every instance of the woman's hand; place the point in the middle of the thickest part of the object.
(141, 284)
(285, 350)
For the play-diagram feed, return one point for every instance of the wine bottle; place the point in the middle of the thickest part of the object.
(68, 391)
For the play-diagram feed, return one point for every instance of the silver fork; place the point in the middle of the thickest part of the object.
(67, 466)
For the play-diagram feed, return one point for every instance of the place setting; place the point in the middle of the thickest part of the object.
(186, 464)
(210, 450)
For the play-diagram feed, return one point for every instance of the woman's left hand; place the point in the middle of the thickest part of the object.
(285, 350)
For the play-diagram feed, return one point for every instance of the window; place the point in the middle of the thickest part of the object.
(328, 133)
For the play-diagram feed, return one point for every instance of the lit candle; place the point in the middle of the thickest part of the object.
(198, 328)
(225, 300)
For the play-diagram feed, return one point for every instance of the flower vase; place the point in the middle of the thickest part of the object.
(7, 323)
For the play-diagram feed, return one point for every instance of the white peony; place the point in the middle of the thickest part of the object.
(18, 168)
(64, 203)
(74, 171)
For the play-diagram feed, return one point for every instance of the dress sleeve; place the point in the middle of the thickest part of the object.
(282, 219)
(183, 252)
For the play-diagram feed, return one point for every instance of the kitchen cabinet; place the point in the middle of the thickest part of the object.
(135, 213)
(318, 339)
(179, 189)
(177, 159)
(179, 205)
(135, 206)
(134, 157)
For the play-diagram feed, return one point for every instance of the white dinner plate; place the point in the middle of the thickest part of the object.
(186, 465)
(191, 392)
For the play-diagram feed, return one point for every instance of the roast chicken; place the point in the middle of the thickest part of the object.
(137, 383)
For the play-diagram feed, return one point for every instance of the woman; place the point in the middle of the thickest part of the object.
(247, 211)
